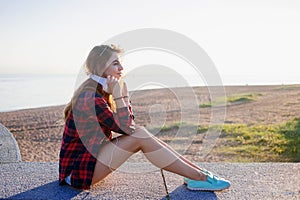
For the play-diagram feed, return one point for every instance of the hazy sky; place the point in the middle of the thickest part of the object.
(247, 40)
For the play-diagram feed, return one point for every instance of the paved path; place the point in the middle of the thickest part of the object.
(25, 180)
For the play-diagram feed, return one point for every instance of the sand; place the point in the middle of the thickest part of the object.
(39, 131)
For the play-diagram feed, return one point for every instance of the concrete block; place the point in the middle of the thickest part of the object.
(9, 149)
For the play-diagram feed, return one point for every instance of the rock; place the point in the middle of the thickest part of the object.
(9, 149)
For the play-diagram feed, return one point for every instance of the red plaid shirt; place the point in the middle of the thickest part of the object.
(87, 127)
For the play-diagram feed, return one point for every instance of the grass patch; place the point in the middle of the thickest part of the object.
(246, 143)
(173, 126)
(237, 98)
(242, 98)
(172, 129)
(262, 143)
(205, 105)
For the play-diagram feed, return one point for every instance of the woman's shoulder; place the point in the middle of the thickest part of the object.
(89, 94)
(89, 98)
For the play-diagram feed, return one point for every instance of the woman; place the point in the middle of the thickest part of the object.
(88, 152)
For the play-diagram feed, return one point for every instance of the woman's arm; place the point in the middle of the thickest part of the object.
(121, 122)
(125, 94)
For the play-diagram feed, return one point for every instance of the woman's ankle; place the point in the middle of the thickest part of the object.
(203, 176)
(199, 177)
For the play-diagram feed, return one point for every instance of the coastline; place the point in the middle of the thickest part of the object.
(38, 131)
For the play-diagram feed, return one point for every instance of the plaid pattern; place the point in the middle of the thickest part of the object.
(87, 127)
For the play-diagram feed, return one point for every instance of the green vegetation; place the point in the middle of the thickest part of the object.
(262, 143)
(175, 125)
(169, 130)
(237, 98)
(250, 143)
(206, 105)
(242, 98)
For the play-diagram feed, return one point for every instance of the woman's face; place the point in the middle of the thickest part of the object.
(114, 68)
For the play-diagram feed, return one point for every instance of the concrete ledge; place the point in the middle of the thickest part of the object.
(249, 181)
(9, 149)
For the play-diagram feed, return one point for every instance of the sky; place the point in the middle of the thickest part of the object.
(251, 41)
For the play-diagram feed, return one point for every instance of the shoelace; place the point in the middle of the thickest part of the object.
(212, 179)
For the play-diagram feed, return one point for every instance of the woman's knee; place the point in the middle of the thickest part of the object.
(141, 133)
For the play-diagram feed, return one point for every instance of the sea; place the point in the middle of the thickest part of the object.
(22, 91)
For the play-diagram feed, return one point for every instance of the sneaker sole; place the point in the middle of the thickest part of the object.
(185, 183)
(206, 189)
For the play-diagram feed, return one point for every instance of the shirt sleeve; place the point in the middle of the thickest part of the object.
(122, 121)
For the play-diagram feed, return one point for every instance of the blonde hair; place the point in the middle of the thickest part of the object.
(96, 63)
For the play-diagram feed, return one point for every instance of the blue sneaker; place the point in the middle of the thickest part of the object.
(213, 183)
(204, 171)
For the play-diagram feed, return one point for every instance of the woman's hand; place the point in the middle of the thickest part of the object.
(113, 87)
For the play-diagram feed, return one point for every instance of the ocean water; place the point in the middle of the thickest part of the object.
(19, 91)
(22, 91)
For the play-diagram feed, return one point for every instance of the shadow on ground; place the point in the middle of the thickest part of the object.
(53, 191)
(182, 193)
(48, 191)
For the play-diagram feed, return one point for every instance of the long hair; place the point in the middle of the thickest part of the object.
(96, 63)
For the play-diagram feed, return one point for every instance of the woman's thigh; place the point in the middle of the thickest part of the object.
(113, 154)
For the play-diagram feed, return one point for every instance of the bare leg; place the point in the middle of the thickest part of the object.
(175, 152)
(114, 154)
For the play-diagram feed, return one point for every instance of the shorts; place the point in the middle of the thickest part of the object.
(68, 179)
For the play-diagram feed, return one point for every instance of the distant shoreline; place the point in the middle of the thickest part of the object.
(194, 87)
(26, 91)
(38, 131)
(31, 108)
